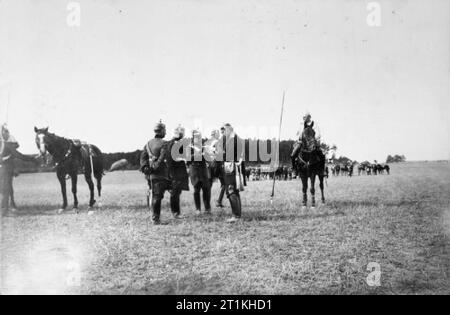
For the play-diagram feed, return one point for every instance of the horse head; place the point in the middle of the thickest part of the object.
(41, 140)
(309, 141)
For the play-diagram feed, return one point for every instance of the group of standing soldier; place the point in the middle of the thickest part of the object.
(168, 166)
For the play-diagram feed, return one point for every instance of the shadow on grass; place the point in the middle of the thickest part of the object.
(346, 204)
(304, 214)
(185, 285)
(52, 209)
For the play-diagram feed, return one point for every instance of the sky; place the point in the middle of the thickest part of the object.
(372, 90)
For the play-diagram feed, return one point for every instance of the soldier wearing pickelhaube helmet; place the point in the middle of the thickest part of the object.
(233, 153)
(154, 166)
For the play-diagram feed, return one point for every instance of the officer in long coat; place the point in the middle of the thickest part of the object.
(232, 151)
(154, 166)
(177, 169)
(215, 164)
(199, 173)
(8, 155)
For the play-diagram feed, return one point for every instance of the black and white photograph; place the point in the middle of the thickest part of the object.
(225, 153)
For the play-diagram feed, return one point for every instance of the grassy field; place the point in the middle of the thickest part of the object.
(401, 222)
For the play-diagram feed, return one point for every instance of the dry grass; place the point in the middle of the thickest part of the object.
(399, 221)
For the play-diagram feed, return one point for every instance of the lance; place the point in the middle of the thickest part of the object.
(278, 153)
(7, 104)
(2, 141)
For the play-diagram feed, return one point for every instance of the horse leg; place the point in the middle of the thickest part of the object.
(62, 182)
(74, 178)
(13, 202)
(313, 191)
(305, 190)
(99, 184)
(90, 183)
(322, 187)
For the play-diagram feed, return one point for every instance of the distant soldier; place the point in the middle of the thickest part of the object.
(154, 166)
(200, 174)
(8, 155)
(233, 157)
(351, 168)
(177, 170)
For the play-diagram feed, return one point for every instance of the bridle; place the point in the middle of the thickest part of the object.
(43, 143)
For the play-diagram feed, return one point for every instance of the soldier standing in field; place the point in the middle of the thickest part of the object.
(177, 169)
(232, 153)
(154, 166)
(216, 165)
(220, 173)
(8, 155)
(199, 173)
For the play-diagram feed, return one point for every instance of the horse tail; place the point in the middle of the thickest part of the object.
(98, 166)
(97, 158)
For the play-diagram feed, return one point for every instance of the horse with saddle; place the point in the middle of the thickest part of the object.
(309, 162)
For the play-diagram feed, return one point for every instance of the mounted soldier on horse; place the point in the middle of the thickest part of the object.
(309, 161)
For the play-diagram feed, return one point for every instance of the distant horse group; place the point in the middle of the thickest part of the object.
(373, 169)
(341, 169)
(261, 173)
(363, 169)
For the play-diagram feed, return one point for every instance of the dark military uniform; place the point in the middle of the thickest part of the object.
(232, 154)
(178, 175)
(8, 155)
(200, 175)
(215, 168)
(201, 180)
(154, 166)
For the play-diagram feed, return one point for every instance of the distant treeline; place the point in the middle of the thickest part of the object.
(396, 159)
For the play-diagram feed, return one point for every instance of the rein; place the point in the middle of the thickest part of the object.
(67, 153)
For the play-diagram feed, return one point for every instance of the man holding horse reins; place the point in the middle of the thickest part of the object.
(8, 154)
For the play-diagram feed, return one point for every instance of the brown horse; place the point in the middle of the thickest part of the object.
(70, 157)
(309, 161)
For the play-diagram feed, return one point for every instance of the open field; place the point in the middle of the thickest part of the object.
(401, 222)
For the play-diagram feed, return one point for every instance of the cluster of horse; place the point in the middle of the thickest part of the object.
(364, 168)
(374, 169)
(261, 173)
